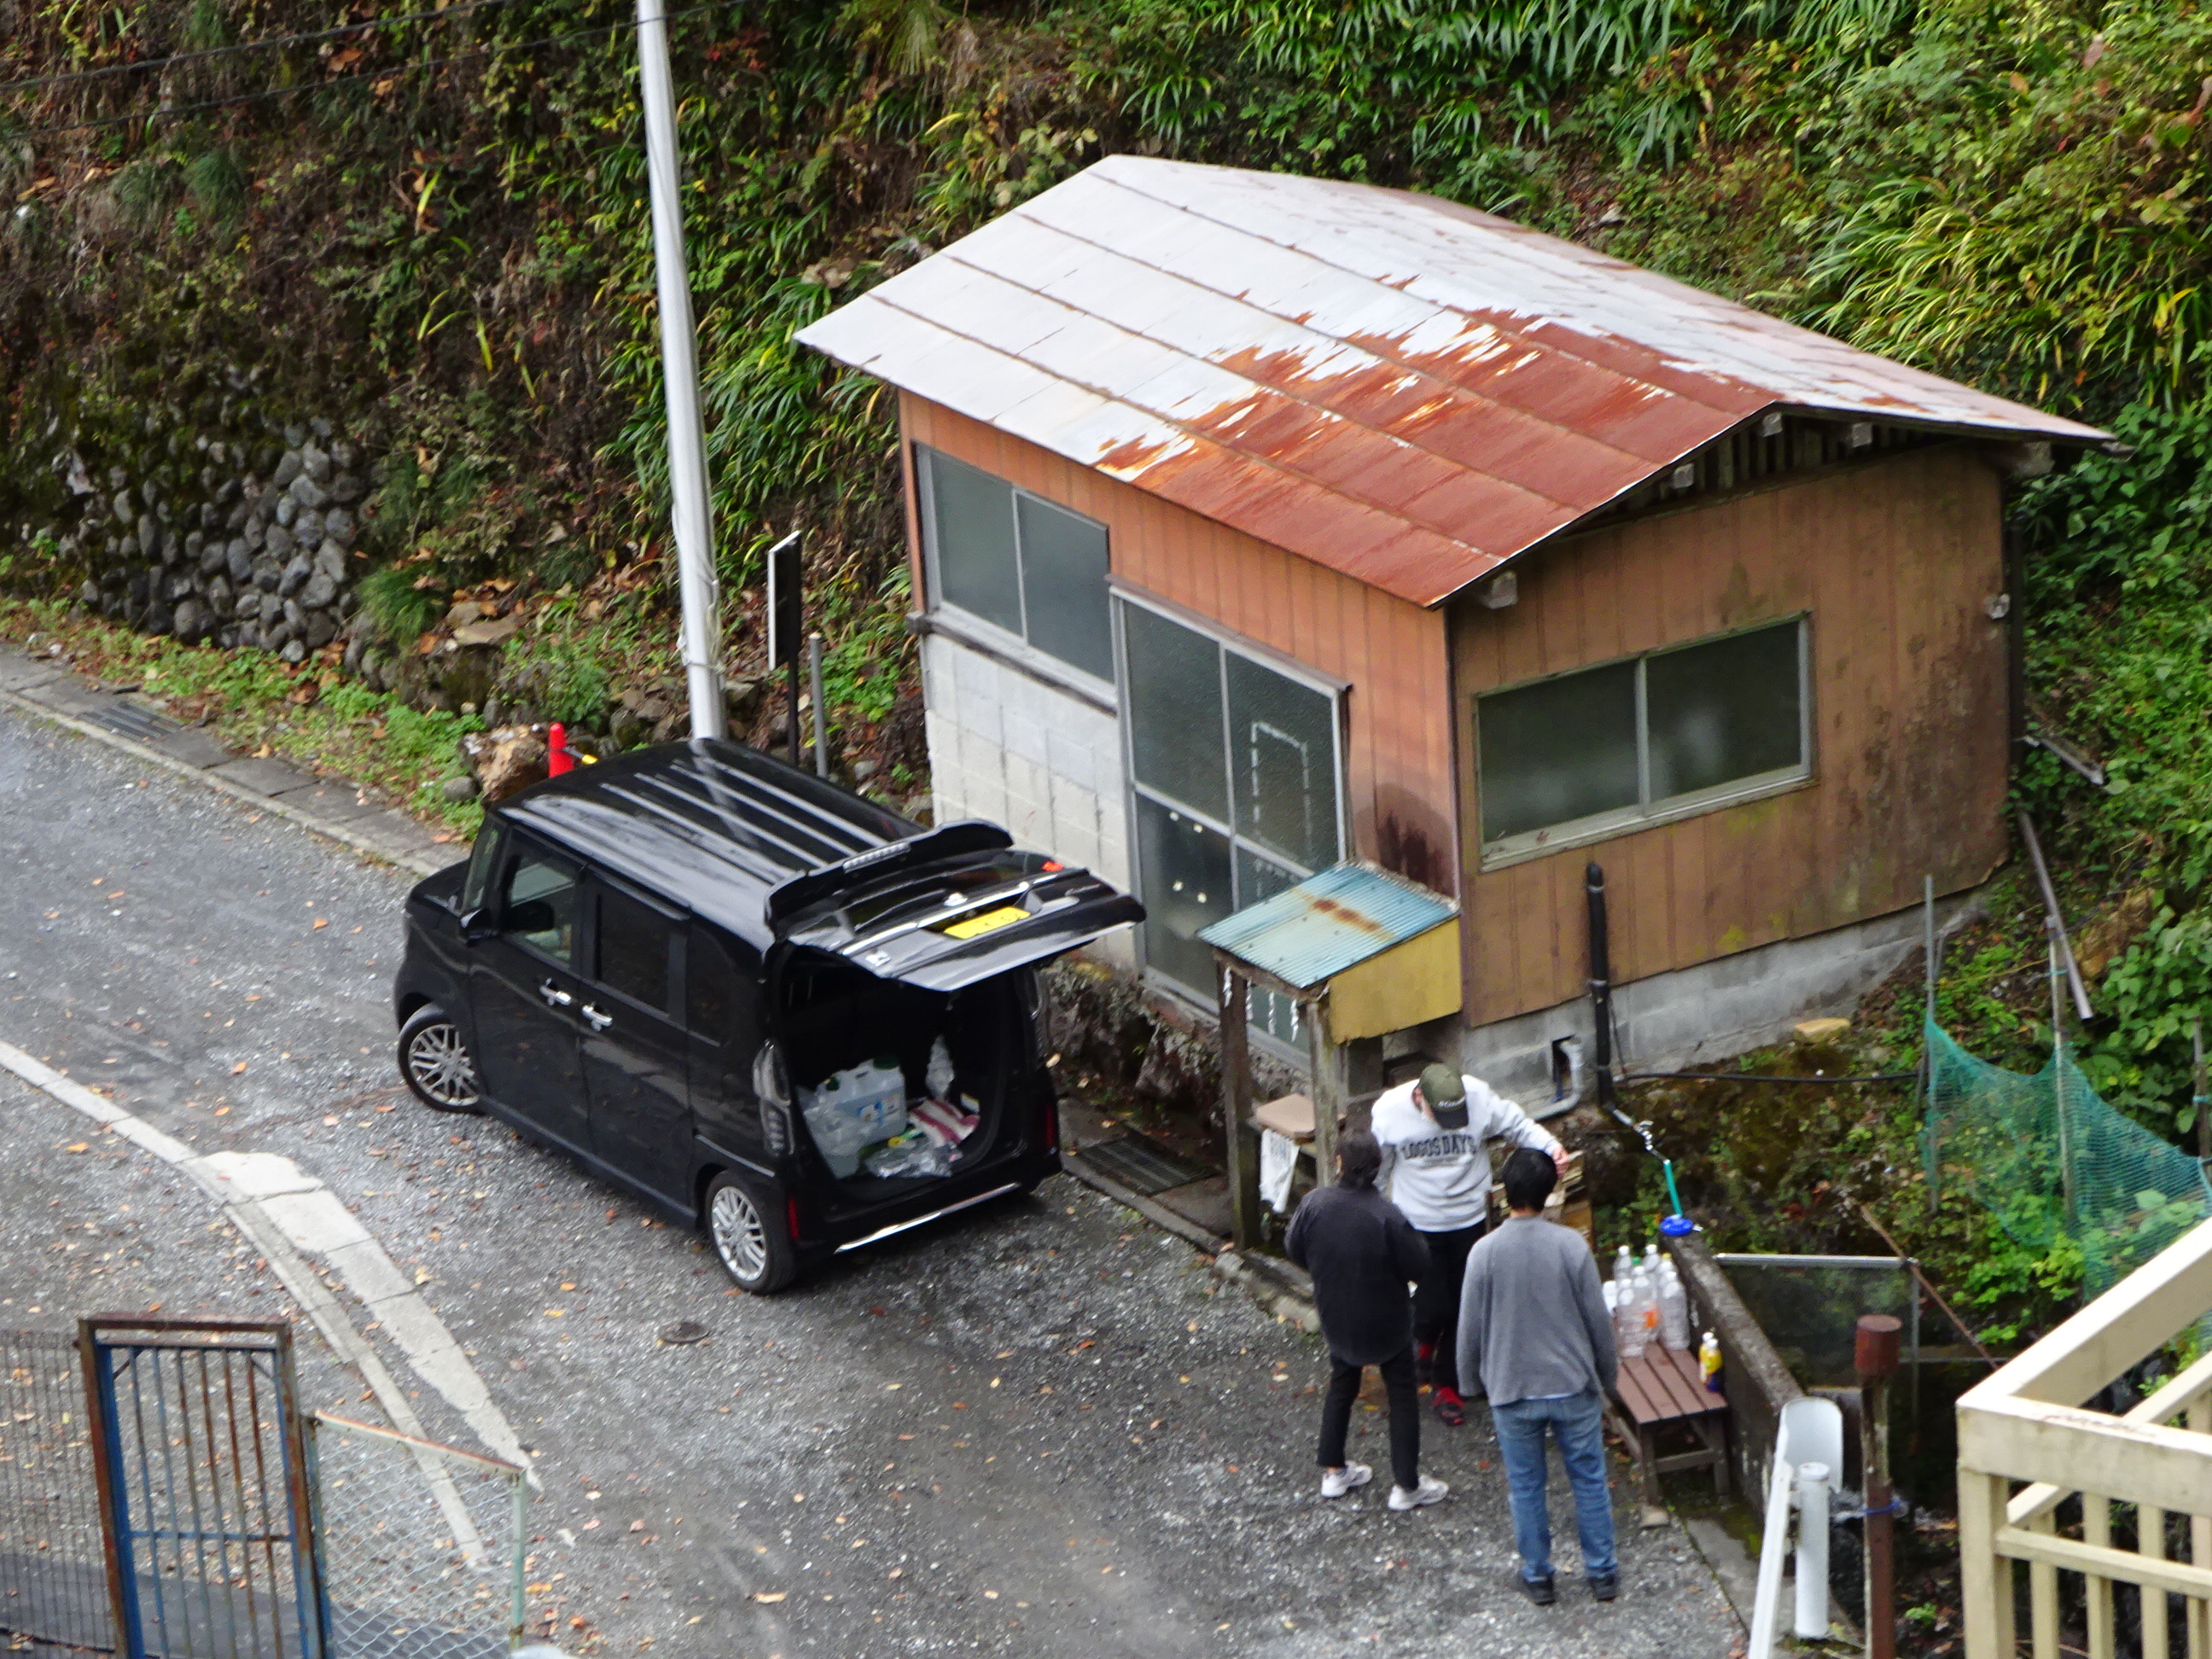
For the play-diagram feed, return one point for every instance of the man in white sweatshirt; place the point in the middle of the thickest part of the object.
(1434, 1134)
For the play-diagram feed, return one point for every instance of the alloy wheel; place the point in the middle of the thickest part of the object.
(740, 1235)
(439, 1064)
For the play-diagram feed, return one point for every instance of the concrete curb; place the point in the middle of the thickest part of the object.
(285, 1212)
(392, 852)
(1276, 1287)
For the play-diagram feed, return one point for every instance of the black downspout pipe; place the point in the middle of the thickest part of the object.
(1600, 985)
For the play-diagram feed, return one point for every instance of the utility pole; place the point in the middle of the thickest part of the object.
(702, 636)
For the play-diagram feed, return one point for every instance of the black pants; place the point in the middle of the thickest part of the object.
(1435, 1299)
(1405, 1414)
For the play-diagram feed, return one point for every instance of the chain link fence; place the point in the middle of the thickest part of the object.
(422, 1545)
(54, 1561)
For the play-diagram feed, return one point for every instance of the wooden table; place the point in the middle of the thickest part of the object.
(1664, 1386)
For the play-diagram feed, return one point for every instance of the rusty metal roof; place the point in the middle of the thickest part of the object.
(1307, 934)
(1397, 387)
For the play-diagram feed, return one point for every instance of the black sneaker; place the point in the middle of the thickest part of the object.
(1542, 1591)
(1604, 1586)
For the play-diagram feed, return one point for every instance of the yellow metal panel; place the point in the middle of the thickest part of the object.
(1406, 985)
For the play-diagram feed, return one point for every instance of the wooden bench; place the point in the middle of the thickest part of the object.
(1664, 1386)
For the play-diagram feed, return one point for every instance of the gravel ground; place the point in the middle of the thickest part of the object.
(1047, 1428)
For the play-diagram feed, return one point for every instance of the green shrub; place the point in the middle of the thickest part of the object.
(395, 607)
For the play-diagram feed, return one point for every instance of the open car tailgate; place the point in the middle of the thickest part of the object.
(948, 909)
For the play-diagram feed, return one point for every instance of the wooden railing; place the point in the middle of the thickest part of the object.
(2087, 1499)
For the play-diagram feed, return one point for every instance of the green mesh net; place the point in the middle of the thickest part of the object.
(2050, 1160)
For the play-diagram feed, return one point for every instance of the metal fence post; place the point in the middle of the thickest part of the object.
(106, 1453)
(521, 1555)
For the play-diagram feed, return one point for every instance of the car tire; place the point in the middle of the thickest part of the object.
(742, 1226)
(435, 1062)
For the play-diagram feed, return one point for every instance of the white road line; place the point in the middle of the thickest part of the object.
(286, 1212)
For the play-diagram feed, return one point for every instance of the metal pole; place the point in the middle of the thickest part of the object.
(1928, 927)
(520, 1561)
(701, 634)
(2197, 1099)
(2050, 910)
(2058, 1070)
(1601, 983)
(1876, 1359)
(791, 686)
(821, 709)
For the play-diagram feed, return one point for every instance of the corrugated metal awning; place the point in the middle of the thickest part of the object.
(1394, 386)
(1307, 935)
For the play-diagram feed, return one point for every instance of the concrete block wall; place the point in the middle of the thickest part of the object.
(1019, 751)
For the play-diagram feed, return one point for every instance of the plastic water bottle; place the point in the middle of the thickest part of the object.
(1647, 1305)
(1673, 1310)
(1709, 1362)
(1627, 1320)
(1641, 1310)
(1652, 1258)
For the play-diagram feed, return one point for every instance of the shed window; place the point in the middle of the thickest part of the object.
(1017, 561)
(1658, 736)
(1234, 765)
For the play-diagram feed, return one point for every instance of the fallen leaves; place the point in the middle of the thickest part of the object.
(239, 1070)
(771, 1595)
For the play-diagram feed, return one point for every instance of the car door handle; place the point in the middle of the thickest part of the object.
(555, 996)
(600, 1021)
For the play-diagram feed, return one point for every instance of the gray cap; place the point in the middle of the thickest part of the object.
(1442, 1084)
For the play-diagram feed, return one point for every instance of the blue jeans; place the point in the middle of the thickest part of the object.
(1577, 1421)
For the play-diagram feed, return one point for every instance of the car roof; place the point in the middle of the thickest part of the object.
(711, 825)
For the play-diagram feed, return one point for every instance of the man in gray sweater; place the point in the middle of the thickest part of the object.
(1533, 1325)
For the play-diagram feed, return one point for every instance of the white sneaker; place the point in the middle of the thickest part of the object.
(1335, 1483)
(1431, 1491)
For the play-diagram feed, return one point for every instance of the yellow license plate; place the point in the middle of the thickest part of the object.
(988, 922)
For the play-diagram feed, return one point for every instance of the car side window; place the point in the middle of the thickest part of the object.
(632, 943)
(537, 907)
(491, 843)
(724, 996)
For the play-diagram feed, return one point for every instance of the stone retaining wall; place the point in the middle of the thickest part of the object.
(243, 533)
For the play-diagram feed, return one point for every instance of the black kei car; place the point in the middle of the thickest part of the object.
(652, 964)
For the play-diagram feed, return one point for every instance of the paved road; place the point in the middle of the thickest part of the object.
(1050, 1430)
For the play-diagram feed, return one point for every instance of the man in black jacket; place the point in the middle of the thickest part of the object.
(1362, 1253)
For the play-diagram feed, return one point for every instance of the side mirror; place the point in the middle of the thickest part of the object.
(478, 924)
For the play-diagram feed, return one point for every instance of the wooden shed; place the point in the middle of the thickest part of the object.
(1262, 523)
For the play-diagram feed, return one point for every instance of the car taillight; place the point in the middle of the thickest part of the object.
(1051, 1123)
(791, 1217)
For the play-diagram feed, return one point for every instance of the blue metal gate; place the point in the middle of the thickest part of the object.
(200, 1457)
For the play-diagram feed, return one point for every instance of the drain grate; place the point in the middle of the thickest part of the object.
(133, 720)
(1140, 1164)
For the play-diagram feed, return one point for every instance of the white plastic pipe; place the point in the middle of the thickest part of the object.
(1812, 1549)
(702, 634)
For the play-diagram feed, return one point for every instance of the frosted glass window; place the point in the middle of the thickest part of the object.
(1019, 561)
(1725, 710)
(1558, 751)
(972, 516)
(1064, 584)
(1234, 765)
(1284, 763)
(1175, 711)
(1596, 751)
(1184, 868)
